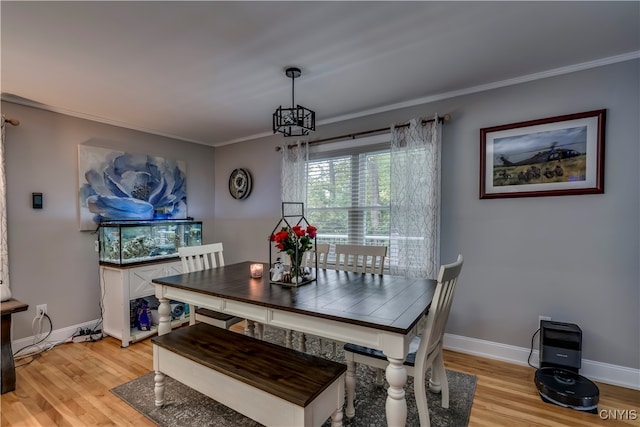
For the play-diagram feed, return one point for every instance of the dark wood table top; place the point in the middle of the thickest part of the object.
(390, 303)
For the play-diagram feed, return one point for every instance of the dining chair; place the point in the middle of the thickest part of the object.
(425, 350)
(360, 258)
(319, 251)
(203, 257)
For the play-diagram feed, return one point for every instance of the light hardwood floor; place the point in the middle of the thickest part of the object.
(69, 386)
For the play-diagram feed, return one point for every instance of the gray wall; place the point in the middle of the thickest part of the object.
(574, 258)
(50, 261)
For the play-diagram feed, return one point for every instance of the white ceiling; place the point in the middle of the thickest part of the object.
(213, 72)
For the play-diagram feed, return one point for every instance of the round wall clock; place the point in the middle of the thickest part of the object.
(240, 183)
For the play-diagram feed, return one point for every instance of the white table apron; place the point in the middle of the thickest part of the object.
(394, 345)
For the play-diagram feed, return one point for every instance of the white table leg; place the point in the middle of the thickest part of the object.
(396, 407)
(288, 338)
(302, 344)
(164, 312)
(250, 329)
(379, 377)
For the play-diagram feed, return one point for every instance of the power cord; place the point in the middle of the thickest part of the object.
(39, 341)
(531, 350)
(91, 334)
(86, 335)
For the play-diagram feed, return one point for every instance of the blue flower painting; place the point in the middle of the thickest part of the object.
(122, 186)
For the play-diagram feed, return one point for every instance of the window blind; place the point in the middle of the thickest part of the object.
(348, 191)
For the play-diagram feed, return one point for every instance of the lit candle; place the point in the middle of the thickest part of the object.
(256, 270)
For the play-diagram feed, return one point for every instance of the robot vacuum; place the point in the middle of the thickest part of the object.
(568, 389)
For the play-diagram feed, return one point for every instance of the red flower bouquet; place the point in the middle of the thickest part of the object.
(294, 241)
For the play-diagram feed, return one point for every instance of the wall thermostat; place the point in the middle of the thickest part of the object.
(36, 200)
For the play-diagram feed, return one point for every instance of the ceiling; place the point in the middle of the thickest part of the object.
(213, 72)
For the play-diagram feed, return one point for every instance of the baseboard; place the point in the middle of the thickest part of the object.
(57, 335)
(595, 371)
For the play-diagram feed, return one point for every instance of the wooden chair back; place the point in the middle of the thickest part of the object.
(439, 309)
(203, 257)
(321, 250)
(360, 258)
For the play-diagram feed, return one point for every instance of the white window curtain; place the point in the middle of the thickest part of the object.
(415, 199)
(294, 172)
(4, 246)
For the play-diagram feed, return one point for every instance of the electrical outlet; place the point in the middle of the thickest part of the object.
(41, 310)
(96, 246)
(541, 318)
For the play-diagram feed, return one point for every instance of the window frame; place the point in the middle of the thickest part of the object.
(358, 209)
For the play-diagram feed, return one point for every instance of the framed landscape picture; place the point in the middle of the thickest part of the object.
(556, 156)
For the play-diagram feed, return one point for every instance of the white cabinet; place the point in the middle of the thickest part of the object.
(121, 285)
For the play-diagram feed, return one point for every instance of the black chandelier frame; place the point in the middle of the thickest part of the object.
(296, 120)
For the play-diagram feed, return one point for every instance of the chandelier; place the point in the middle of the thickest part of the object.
(297, 120)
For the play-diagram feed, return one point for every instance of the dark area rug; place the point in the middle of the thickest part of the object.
(185, 407)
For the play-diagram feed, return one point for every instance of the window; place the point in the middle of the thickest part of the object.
(348, 192)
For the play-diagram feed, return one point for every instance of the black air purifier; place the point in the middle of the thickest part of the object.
(557, 379)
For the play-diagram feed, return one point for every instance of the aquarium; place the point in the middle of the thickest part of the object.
(138, 242)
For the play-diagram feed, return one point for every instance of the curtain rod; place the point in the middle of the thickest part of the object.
(355, 135)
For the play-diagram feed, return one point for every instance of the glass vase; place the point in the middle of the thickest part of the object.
(297, 271)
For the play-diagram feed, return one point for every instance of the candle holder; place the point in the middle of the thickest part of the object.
(256, 270)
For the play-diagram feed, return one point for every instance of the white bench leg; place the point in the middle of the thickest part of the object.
(159, 388)
(336, 418)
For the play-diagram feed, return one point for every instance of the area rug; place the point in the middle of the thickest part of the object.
(185, 407)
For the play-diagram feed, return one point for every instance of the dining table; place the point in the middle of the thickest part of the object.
(377, 311)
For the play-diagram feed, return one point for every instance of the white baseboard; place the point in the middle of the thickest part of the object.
(595, 371)
(57, 336)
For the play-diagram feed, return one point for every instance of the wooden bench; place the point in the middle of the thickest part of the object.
(273, 385)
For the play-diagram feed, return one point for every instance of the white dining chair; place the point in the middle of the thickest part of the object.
(360, 258)
(319, 251)
(204, 257)
(425, 350)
